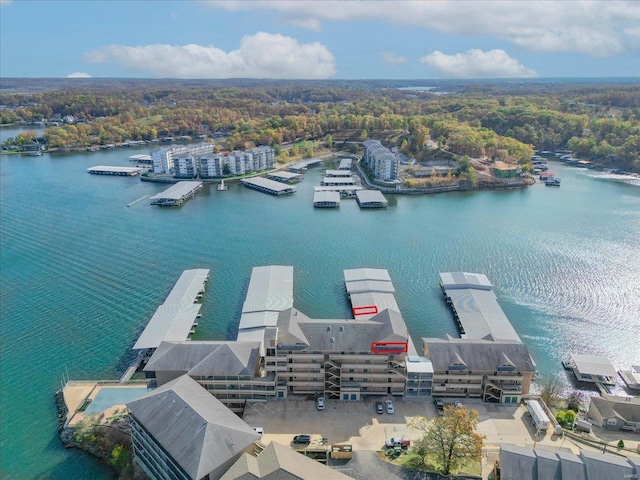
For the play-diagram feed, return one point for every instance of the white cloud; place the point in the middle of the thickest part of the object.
(393, 59)
(477, 64)
(262, 55)
(78, 75)
(585, 26)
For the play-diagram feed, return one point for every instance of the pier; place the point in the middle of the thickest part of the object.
(176, 194)
(268, 186)
(303, 166)
(137, 201)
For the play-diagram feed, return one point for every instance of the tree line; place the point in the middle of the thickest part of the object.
(602, 125)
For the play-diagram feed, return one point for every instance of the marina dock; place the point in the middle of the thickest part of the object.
(268, 186)
(176, 194)
(119, 171)
(176, 318)
(371, 199)
(285, 177)
(303, 166)
(326, 199)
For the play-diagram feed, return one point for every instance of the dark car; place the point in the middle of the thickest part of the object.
(379, 407)
(302, 439)
(439, 406)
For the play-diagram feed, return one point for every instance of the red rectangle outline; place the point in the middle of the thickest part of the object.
(367, 310)
(374, 348)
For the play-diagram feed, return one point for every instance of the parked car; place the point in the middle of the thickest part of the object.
(390, 408)
(320, 403)
(302, 439)
(379, 407)
(457, 404)
(259, 430)
(439, 406)
(397, 442)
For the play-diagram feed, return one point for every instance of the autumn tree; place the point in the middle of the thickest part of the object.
(450, 440)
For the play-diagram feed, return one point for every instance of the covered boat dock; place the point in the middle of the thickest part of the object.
(284, 177)
(371, 199)
(268, 186)
(120, 171)
(175, 319)
(475, 306)
(176, 194)
(303, 166)
(326, 199)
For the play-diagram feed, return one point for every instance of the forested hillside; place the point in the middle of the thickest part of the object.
(599, 121)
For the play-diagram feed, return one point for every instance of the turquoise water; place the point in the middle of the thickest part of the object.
(82, 273)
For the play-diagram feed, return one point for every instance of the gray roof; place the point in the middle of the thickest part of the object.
(297, 330)
(477, 354)
(359, 286)
(269, 184)
(279, 462)
(357, 274)
(192, 426)
(205, 358)
(337, 188)
(177, 191)
(284, 175)
(270, 288)
(480, 314)
(338, 173)
(112, 169)
(345, 163)
(381, 301)
(524, 463)
(338, 180)
(173, 320)
(593, 365)
(451, 280)
(327, 196)
(628, 411)
(378, 150)
(263, 318)
(370, 196)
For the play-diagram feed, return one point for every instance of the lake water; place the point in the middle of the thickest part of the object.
(82, 273)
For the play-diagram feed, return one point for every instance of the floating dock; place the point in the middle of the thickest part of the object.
(285, 177)
(119, 171)
(268, 186)
(345, 191)
(345, 164)
(371, 199)
(141, 158)
(338, 173)
(475, 306)
(631, 377)
(301, 167)
(338, 181)
(176, 194)
(175, 319)
(326, 199)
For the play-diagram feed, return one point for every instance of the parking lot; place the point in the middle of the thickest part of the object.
(358, 424)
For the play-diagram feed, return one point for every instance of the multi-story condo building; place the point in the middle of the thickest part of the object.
(489, 361)
(163, 158)
(211, 166)
(384, 164)
(185, 166)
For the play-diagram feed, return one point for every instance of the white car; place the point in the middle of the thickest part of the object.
(457, 404)
(389, 405)
(320, 403)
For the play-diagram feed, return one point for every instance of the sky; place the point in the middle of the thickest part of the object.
(307, 39)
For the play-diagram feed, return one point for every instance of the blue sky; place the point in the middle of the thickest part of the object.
(319, 39)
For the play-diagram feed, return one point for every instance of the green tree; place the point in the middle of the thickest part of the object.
(364, 135)
(450, 439)
(328, 141)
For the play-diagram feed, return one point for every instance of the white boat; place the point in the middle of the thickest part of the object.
(222, 186)
(552, 182)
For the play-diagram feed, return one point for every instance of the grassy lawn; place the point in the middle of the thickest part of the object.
(411, 461)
